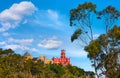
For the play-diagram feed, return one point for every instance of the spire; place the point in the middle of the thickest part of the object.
(27, 54)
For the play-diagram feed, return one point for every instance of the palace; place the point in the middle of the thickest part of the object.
(62, 60)
(45, 60)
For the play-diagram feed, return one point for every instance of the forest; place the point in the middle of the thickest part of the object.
(13, 65)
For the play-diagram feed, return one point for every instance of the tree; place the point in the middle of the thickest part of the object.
(7, 52)
(107, 62)
(12, 65)
(101, 51)
(81, 17)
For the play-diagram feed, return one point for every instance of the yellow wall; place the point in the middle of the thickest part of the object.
(27, 57)
(49, 62)
(46, 61)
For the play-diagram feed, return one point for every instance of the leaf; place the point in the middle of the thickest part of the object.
(76, 34)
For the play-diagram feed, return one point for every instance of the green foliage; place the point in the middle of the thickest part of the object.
(76, 34)
(109, 11)
(94, 48)
(115, 32)
(81, 12)
(13, 65)
(106, 58)
(105, 50)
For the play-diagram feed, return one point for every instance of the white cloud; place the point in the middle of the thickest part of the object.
(19, 45)
(33, 49)
(10, 18)
(2, 43)
(14, 47)
(24, 42)
(20, 48)
(95, 36)
(53, 15)
(51, 43)
(49, 18)
(5, 34)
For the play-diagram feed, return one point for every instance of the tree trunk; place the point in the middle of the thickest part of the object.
(96, 70)
(106, 75)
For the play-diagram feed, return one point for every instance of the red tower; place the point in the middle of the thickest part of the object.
(62, 60)
(63, 54)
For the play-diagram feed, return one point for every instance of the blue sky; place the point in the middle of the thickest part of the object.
(41, 27)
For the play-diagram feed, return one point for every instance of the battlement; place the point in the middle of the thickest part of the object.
(62, 60)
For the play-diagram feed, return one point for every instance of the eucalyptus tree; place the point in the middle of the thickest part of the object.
(107, 63)
(101, 51)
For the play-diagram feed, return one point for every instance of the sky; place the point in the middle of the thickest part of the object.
(41, 27)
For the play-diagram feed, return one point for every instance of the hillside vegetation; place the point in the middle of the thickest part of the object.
(12, 65)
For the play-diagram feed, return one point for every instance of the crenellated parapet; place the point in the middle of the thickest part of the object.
(62, 60)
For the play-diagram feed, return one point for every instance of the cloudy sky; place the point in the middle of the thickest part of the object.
(41, 27)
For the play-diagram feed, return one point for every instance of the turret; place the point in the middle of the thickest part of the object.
(63, 54)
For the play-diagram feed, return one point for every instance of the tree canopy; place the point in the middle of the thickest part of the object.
(105, 50)
(13, 65)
